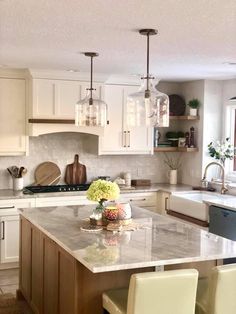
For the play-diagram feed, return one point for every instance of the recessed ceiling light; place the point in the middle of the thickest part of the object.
(72, 70)
(230, 63)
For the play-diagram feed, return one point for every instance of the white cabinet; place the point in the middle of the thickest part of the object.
(56, 99)
(62, 201)
(147, 200)
(9, 229)
(13, 139)
(119, 138)
(9, 239)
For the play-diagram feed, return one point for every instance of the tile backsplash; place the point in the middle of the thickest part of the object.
(60, 148)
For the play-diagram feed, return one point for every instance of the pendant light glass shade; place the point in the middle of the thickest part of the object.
(150, 111)
(91, 111)
(148, 106)
(233, 99)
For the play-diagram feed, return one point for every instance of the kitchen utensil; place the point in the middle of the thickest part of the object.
(75, 172)
(14, 171)
(47, 173)
(141, 182)
(177, 105)
(22, 171)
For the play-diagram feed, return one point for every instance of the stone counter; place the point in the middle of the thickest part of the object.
(159, 240)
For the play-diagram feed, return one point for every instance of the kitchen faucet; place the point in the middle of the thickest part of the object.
(223, 186)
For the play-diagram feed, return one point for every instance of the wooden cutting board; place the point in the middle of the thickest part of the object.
(75, 172)
(47, 173)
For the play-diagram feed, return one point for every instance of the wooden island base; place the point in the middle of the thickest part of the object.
(54, 282)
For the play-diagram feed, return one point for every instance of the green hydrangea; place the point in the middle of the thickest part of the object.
(103, 190)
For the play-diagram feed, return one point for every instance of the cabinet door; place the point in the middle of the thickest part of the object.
(139, 138)
(113, 140)
(9, 239)
(55, 99)
(68, 93)
(13, 140)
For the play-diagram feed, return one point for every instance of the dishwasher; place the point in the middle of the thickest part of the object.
(222, 222)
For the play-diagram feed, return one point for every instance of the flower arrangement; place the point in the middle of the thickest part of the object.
(221, 150)
(101, 191)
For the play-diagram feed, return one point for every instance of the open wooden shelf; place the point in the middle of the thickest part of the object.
(184, 117)
(176, 149)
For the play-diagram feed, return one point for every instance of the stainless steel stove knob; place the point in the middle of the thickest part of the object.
(59, 190)
(68, 189)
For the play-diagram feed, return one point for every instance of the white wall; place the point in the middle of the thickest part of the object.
(191, 171)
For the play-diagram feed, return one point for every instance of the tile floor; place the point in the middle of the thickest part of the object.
(9, 280)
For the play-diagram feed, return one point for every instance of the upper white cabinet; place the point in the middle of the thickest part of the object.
(56, 99)
(13, 139)
(119, 138)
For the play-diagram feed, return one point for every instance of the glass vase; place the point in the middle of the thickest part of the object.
(98, 210)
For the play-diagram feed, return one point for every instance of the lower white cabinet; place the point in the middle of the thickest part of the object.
(9, 239)
(9, 229)
(62, 201)
(147, 200)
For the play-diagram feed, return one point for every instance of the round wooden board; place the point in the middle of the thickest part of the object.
(47, 173)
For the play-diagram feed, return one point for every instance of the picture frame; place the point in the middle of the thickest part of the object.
(181, 142)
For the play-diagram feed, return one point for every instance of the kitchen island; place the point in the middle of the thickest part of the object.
(64, 269)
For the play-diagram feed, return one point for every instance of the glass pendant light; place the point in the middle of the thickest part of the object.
(232, 99)
(148, 106)
(91, 111)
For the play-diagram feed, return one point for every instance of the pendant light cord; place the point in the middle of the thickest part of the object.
(147, 90)
(91, 82)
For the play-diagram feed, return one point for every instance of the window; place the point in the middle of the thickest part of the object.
(231, 132)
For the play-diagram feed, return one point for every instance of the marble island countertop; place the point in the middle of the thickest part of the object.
(159, 240)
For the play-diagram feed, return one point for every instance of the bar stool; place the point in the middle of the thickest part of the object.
(167, 292)
(217, 295)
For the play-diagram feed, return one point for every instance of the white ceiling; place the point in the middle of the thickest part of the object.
(196, 37)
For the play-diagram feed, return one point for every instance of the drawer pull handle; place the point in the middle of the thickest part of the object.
(166, 203)
(3, 230)
(141, 199)
(7, 207)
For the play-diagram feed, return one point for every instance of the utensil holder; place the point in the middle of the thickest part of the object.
(18, 184)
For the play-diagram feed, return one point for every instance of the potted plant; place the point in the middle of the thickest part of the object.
(194, 104)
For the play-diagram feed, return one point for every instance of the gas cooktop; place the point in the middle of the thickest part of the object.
(55, 188)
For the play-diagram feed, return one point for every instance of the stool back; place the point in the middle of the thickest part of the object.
(165, 292)
(222, 290)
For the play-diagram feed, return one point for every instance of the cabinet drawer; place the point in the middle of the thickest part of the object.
(62, 201)
(140, 199)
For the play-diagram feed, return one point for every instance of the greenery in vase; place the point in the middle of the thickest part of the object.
(221, 150)
(172, 163)
(194, 103)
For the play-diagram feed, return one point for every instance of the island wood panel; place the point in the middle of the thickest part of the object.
(50, 277)
(92, 285)
(68, 292)
(36, 275)
(25, 259)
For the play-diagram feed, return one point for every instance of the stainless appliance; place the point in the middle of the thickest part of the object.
(55, 188)
(223, 223)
